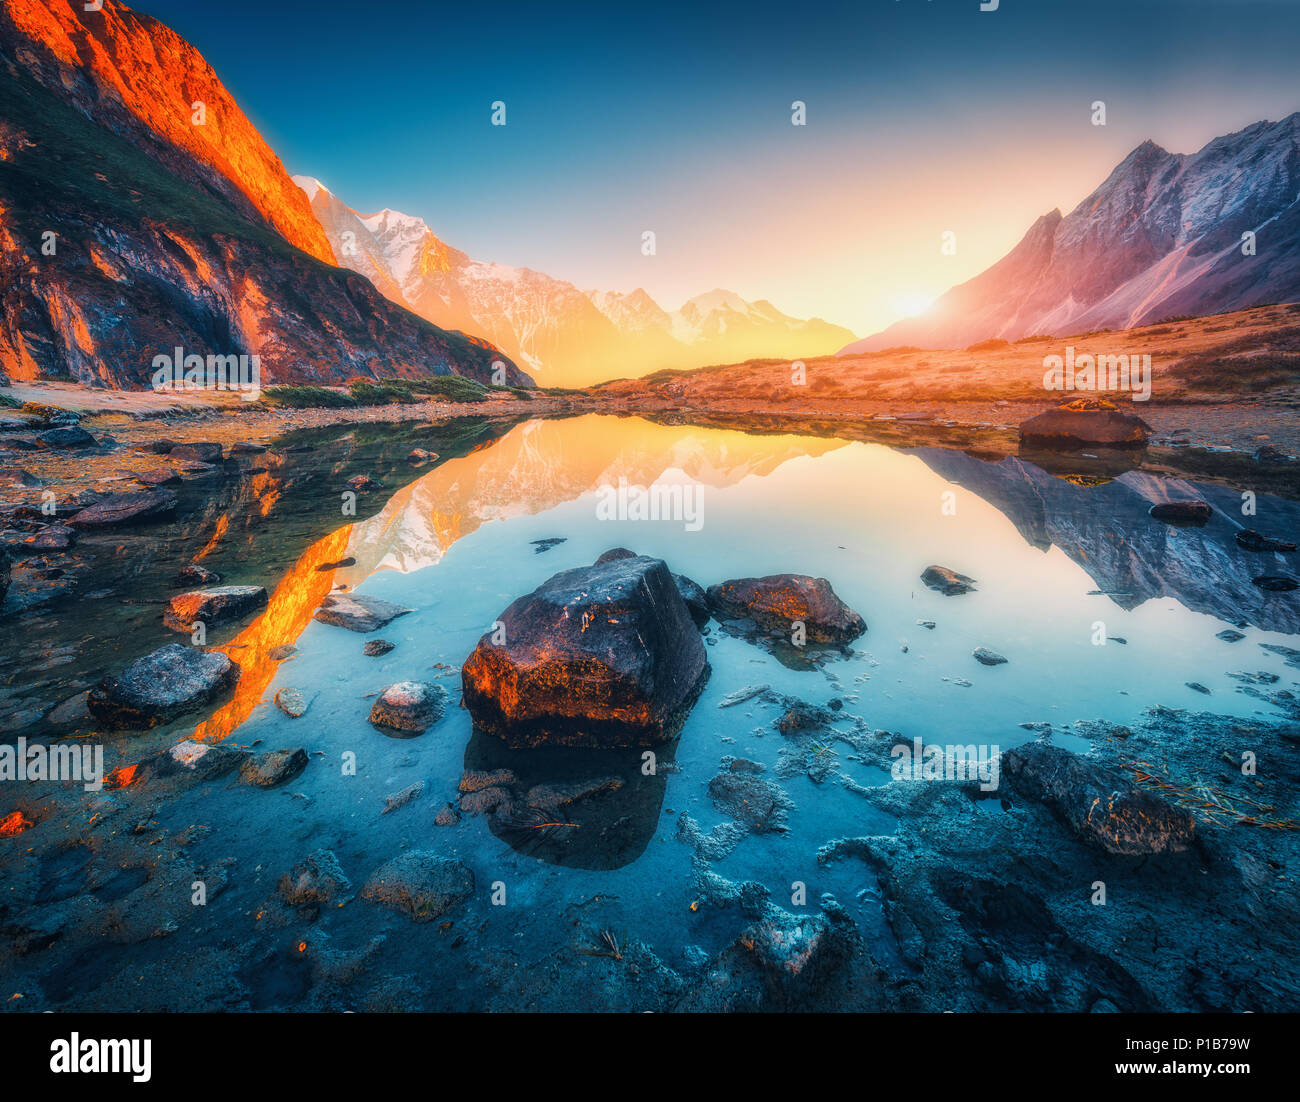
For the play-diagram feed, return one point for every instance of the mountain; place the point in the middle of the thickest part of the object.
(565, 336)
(1160, 238)
(169, 227)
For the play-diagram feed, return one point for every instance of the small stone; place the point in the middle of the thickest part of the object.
(409, 707)
(274, 767)
(400, 799)
(375, 647)
(194, 574)
(447, 816)
(987, 657)
(946, 581)
(291, 702)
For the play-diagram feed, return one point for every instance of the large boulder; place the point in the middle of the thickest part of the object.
(126, 509)
(1082, 422)
(212, 606)
(69, 436)
(604, 655)
(1098, 804)
(358, 612)
(155, 689)
(778, 601)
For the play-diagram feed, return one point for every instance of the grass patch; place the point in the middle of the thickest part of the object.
(307, 397)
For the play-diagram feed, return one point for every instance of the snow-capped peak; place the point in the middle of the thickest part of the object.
(311, 186)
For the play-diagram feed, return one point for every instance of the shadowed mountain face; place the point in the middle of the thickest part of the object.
(140, 211)
(1133, 558)
(1160, 238)
(565, 335)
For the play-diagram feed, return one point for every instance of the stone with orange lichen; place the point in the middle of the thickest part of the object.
(779, 601)
(1098, 804)
(604, 655)
(212, 606)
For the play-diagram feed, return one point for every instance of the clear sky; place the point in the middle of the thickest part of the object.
(923, 116)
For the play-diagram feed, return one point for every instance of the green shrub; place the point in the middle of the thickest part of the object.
(451, 388)
(307, 397)
(367, 393)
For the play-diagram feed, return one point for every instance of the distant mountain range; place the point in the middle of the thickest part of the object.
(1161, 237)
(563, 335)
(133, 222)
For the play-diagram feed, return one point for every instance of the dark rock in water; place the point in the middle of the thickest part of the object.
(447, 816)
(70, 436)
(161, 446)
(1085, 421)
(358, 612)
(362, 482)
(1266, 453)
(281, 652)
(778, 601)
(54, 538)
(1097, 803)
(318, 879)
(1250, 540)
(420, 884)
(212, 606)
(247, 447)
(1198, 687)
(409, 707)
(375, 647)
(758, 804)
(603, 656)
(349, 561)
(796, 952)
(400, 799)
(1229, 636)
(1276, 583)
(274, 767)
(987, 657)
(194, 574)
(157, 476)
(197, 451)
(419, 455)
(695, 599)
(614, 554)
(802, 716)
(197, 761)
(6, 572)
(475, 780)
(546, 544)
(127, 508)
(1184, 514)
(550, 796)
(168, 683)
(948, 582)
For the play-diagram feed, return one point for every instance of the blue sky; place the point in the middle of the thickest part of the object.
(922, 117)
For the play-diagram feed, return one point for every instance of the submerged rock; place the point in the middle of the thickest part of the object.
(196, 761)
(400, 799)
(409, 706)
(946, 581)
(212, 606)
(157, 476)
(1229, 636)
(274, 767)
(194, 574)
(170, 682)
(778, 601)
(54, 538)
(197, 451)
(319, 878)
(759, 804)
(420, 884)
(126, 508)
(987, 657)
(6, 572)
(358, 612)
(1098, 804)
(1085, 421)
(1250, 540)
(603, 655)
(362, 483)
(1183, 514)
